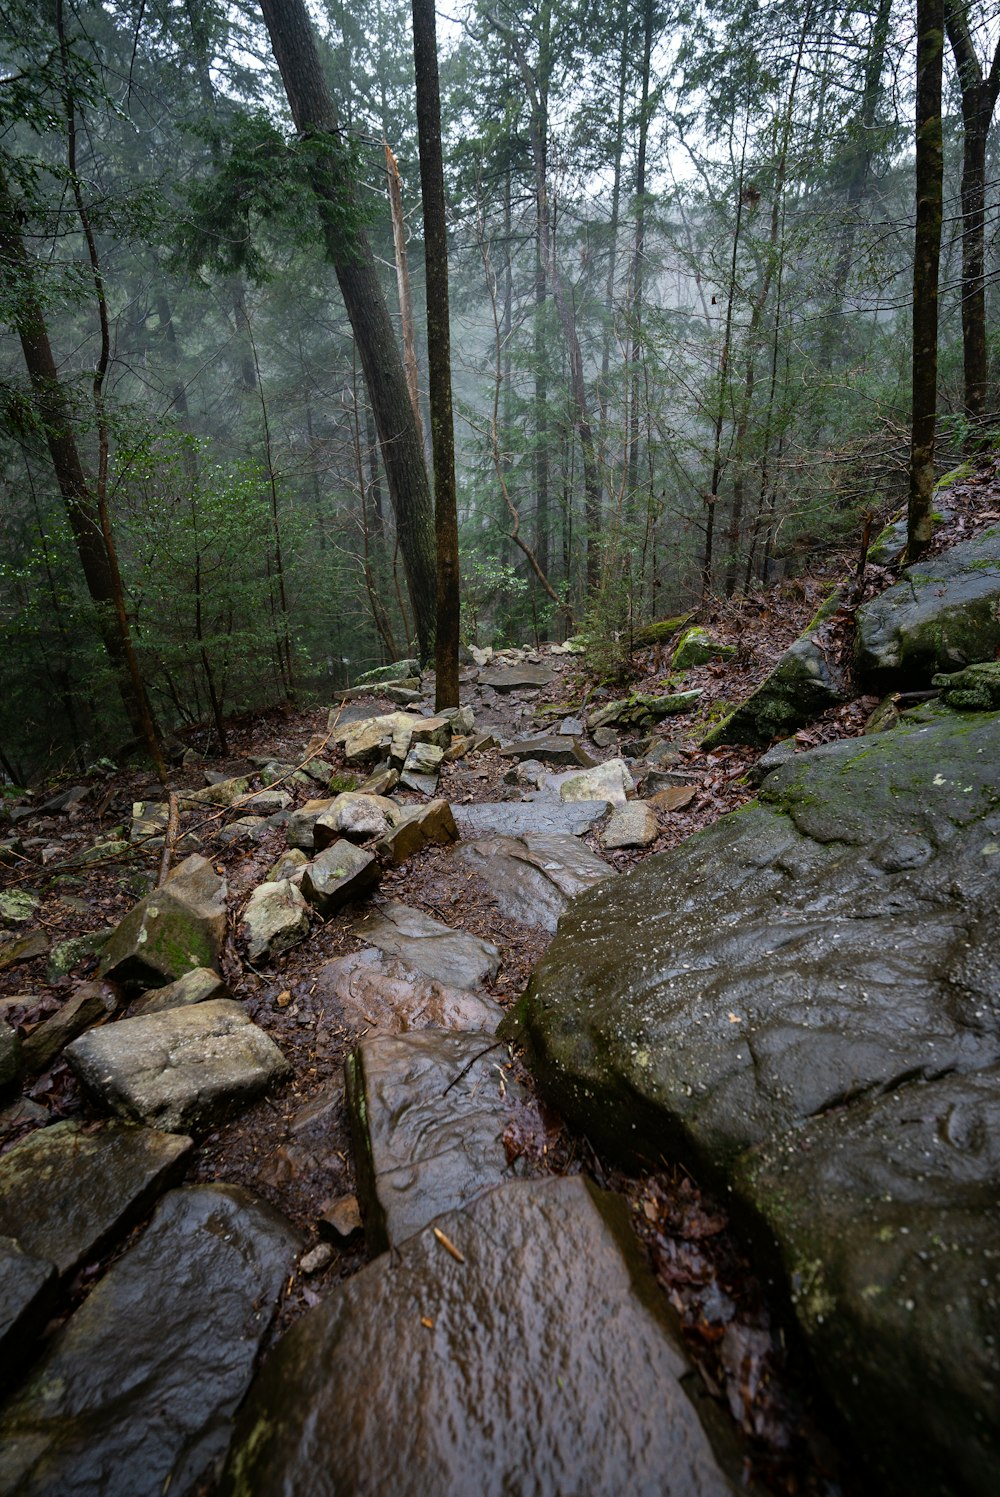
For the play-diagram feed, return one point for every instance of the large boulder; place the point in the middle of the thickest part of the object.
(539, 1360)
(772, 985)
(137, 1393)
(942, 615)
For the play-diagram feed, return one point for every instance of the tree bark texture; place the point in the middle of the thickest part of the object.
(425, 62)
(350, 254)
(926, 258)
(979, 97)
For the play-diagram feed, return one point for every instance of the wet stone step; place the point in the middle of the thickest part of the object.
(514, 818)
(181, 1069)
(384, 992)
(533, 878)
(428, 1114)
(450, 956)
(136, 1394)
(535, 1360)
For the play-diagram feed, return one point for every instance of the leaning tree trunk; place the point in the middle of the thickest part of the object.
(351, 257)
(926, 258)
(425, 62)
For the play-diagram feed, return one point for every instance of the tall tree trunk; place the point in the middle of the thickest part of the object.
(403, 285)
(90, 534)
(425, 62)
(639, 259)
(926, 257)
(351, 256)
(613, 224)
(979, 97)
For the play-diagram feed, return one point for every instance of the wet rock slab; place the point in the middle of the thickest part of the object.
(506, 678)
(137, 1393)
(533, 878)
(68, 1191)
(387, 994)
(451, 956)
(428, 1114)
(834, 937)
(27, 1292)
(541, 1364)
(181, 1069)
(887, 1221)
(515, 818)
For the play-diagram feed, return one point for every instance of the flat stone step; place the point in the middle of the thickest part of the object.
(539, 1361)
(385, 992)
(450, 956)
(512, 818)
(428, 1113)
(181, 1069)
(70, 1190)
(506, 678)
(136, 1394)
(533, 878)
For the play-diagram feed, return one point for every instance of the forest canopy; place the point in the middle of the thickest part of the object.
(683, 270)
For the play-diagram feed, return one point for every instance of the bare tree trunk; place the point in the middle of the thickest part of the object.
(979, 97)
(403, 284)
(351, 256)
(926, 256)
(438, 351)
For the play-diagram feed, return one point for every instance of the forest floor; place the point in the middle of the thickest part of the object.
(734, 1337)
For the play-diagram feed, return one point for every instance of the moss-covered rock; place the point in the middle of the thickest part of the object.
(976, 689)
(943, 615)
(696, 647)
(801, 687)
(643, 709)
(660, 631)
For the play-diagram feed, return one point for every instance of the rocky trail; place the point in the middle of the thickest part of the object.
(411, 1103)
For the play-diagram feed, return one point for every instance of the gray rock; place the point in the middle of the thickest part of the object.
(416, 828)
(543, 1362)
(275, 919)
(355, 816)
(941, 616)
(18, 906)
(199, 986)
(631, 825)
(339, 874)
(176, 928)
(70, 1191)
(225, 792)
(137, 1393)
(781, 753)
(604, 737)
(289, 865)
(385, 993)
(423, 759)
(404, 696)
(428, 1115)
(505, 678)
(553, 748)
(533, 878)
(450, 956)
(185, 1068)
(887, 1220)
(610, 782)
(380, 782)
(266, 802)
(11, 1058)
(421, 784)
(640, 710)
(245, 829)
(826, 942)
(435, 730)
(27, 1295)
(92, 1003)
(516, 818)
(301, 823)
(376, 738)
(462, 719)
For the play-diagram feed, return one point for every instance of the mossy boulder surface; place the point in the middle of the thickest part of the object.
(802, 685)
(943, 615)
(976, 689)
(697, 647)
(830, 946)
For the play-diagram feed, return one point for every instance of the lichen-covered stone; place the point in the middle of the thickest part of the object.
(610, 782)
(696, 647)
(199, 986)
(337, 875)
(974, 689)
(275, 919)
